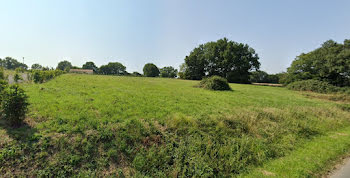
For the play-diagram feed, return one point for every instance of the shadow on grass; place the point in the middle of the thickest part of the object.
(21, 133)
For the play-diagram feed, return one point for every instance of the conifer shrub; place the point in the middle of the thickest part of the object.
(14, 104)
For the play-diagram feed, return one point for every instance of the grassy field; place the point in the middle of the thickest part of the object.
(88, 125)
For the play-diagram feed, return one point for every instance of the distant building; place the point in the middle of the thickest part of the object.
(81, 71)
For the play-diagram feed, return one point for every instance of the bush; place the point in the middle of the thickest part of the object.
(17, 77)
(313, 85)
(2, 74)
(215, 83)
(40, 76)
(19, 70)
(37, 77)
(14, 104)
(3, 85)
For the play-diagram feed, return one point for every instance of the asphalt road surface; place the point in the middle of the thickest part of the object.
(343, 171)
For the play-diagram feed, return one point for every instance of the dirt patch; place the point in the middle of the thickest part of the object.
(268, 84)
(342, 134)
(330, 97)
(267, 173)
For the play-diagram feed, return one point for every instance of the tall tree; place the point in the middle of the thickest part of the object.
(150, 70)
(90, 65)
(231, 60)
(330, 63)
(11, 63)
(64, 65)
(264, 77)
(37, 67)
(113, 68)
(168, 72)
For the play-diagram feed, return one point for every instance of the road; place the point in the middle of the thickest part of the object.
(343, 171)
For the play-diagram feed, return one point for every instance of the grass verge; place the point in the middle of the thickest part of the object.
(313, 159)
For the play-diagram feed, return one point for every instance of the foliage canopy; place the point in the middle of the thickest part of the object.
(330, 63)
(168, 72)
(113, 68)
(37, 67)
(11, 64)
(64, 65)
(150, 70)
(224, 58)
(264, 77)
(313, 85)
(90, 65)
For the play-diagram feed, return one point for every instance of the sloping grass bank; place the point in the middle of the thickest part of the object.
(87, 126)
(312, 159)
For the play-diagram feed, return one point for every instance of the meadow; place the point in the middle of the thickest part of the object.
(95, 125)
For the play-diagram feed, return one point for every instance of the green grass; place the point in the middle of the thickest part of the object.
(90, 125)
(9, 72)
(312, 159)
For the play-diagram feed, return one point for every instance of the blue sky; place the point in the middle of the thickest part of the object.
(165, 31)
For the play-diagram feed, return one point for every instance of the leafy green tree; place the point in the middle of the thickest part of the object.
(259, 77)
(263, 77)
(90, 65)
(11, 63)
(182, 73)
(329, 63)
(273, 78)
(47, 68)
(113, 68)
(231, 60)
(37, 67)
(64, 65)
(136, 74)
(150, 70)
(168, 72)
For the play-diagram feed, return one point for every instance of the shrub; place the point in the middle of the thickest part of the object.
(37, 77)
(136, 74)
(3, 85)
(19, 70)
(313, 85)
(40, 76)
(2, 74)
(215, 83)
(14, 104)
(17, 77)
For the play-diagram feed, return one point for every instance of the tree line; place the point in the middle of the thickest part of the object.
(116, 68)
(239, 63)
(329, 63)
(236, 62)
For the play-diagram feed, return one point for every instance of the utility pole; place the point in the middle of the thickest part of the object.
(23, 60)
